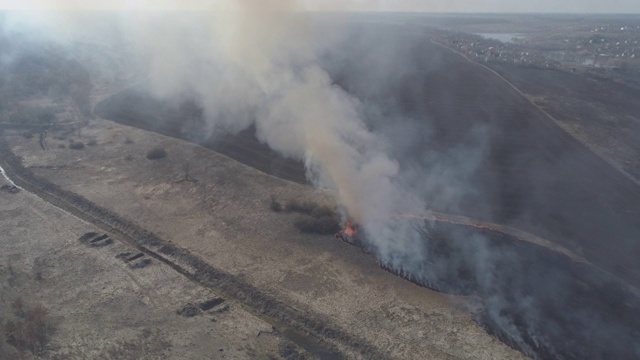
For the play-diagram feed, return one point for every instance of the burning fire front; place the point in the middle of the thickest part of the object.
(348, 234)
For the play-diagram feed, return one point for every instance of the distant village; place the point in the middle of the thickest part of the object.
(601, 48)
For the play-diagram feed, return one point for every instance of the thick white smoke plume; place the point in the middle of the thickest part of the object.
(257, 63)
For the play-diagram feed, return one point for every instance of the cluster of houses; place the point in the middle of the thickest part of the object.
(601, 47)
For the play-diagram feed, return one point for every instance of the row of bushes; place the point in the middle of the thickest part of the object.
(305, 207)
(321, 225)
(152, 154)
(313, 218)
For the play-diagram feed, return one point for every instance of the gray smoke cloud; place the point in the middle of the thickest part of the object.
(259, 63)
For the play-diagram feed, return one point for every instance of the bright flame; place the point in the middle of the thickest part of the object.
(350, 229)
(452, 220)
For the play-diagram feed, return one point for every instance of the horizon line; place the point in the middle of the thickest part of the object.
(411, 12)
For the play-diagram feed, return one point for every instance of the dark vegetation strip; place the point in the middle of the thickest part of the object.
(132, 107)
(279, 314)
(210, 304)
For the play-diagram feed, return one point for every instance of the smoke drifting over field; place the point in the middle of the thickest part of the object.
(258, 63)
(377, 118)
(260, 66)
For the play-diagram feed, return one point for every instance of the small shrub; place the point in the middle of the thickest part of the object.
(92, 142)
(62, 146)
(76, 145)
(128, 158)
(128, 140)
(275, 205)
(189, 310)
(27, 135)
(156, 153)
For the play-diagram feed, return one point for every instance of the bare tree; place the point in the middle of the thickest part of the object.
(187, 177)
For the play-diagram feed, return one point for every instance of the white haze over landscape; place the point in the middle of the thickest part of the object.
(496, 6)
(263, 64)
(259, 65)
(256, 63)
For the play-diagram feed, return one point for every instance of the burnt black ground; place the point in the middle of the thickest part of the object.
(534, 299)
(599, 104)
(527, 173)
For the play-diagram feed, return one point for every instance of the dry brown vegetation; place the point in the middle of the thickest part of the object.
(299, 286)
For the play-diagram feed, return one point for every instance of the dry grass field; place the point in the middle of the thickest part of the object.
(224, 219)
(102, 307)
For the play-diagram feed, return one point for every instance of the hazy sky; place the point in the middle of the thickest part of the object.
(579, 6)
